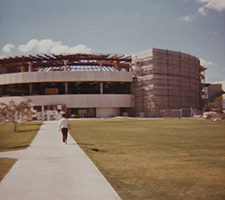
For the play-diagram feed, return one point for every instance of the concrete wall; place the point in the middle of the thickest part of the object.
(78, 101)
(65, 76)
(214, 88)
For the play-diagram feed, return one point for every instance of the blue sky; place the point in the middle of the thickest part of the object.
(196, 27)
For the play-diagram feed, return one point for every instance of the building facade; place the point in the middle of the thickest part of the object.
(80, 84)
(154, 83)
(167, 84)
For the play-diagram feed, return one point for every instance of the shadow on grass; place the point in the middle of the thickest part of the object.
(29, 130)
(30, 124)
(85, 144)
(18, 147)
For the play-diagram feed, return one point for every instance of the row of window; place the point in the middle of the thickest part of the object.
(62, 88)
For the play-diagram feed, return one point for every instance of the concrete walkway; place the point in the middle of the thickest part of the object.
(12, 154)
(51, 170)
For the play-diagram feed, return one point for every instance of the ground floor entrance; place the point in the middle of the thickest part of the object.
(81, 112)
(53, 112)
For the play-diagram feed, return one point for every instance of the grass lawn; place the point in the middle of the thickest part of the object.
(157, 159)
(15, 141)
(5, 165)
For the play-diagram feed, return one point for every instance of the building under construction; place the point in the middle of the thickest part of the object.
(154, 83)
(84, 85)
(167, 84)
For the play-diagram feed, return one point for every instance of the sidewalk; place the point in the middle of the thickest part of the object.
(51, 170)
(12, 154)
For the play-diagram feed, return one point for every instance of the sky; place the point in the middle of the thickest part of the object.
(196, 27)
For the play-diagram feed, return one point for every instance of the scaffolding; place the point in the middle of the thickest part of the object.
(166, 84)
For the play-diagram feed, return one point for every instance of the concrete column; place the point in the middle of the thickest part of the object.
(30, 66)
(100, 65)
(66, 88)
(43, 112)
(65, 64)
(130, 69)
(30, 89)
(101, 88)
(42, 109)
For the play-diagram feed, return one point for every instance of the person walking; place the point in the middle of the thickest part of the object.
(63, 127)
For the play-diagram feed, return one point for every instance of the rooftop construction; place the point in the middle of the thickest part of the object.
(71, 62)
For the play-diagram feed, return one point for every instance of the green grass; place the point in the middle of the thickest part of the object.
(5, 165)
(157, 159)
(15, 141)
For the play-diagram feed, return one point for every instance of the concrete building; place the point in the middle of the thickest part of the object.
(80, 84)
(155, 83)
(167, 84)
(216, 94)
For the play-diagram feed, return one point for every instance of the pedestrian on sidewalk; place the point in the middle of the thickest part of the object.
(63, 127)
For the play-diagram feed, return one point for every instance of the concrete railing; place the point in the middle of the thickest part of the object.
(65, 76)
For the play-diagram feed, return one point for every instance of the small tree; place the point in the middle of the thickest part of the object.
(11, 111)
(23, 107)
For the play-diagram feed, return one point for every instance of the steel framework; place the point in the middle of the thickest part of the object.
(80, 62)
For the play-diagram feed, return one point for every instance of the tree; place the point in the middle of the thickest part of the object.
(23, 107)
(12, 111)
